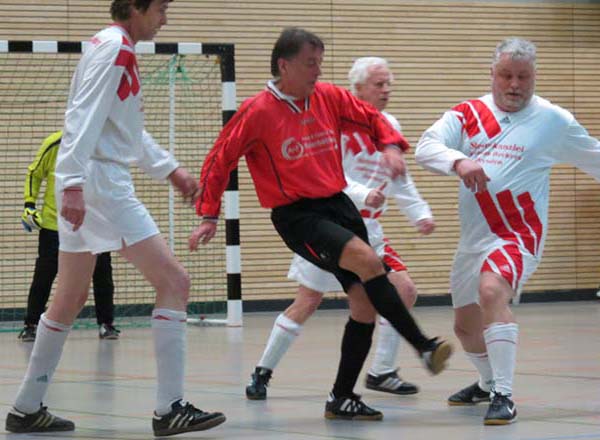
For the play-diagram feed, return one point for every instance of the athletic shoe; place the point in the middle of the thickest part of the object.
(185, 417)
(470, 395)
(501, 411)
(259, 381)
(350, 408)
(28, 333)
(108, 331)
(41, 421)
(436, 354)
(390, 383)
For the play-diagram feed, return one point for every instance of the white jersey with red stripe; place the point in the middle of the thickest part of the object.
(103, 136)
(364, 172)
(517, 151)
(104, 120)
(504, 228)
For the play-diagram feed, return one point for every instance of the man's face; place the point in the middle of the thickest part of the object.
(300, 73)
(148, 23)
(376, 89)
(513, 83)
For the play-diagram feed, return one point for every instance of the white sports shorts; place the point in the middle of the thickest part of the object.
(113, 217)
(509, 261)
(315, 278)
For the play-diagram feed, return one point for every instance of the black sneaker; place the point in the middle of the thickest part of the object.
(28, 333)
(501, 411)
(350, 408)
(471, 395)
(259, 381)
(41, 421)
(390, 383)
(436, 354)
(108, 331)
(185, 417)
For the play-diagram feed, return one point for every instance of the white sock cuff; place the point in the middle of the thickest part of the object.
(504, 330)
(169, 315)
(54, 325)
(477, 356)
(287, 324)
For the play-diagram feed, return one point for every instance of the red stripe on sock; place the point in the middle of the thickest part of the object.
(52, 328)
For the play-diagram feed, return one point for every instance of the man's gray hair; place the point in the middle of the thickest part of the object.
(359, 72)
(517, 48)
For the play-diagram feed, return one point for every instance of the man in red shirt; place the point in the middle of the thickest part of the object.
(289, 136)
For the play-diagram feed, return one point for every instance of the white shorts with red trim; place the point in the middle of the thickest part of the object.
(315, 278)
(509, 261)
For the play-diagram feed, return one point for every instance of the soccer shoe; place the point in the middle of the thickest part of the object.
(436, 354)
(40, 421)
(470, 395)
(259, 381)
(28, 333)
(501, 411)
(390, 383)
(185, 417)
(350, 408)
(108, 331)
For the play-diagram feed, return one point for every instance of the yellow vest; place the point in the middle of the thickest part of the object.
(43, 168)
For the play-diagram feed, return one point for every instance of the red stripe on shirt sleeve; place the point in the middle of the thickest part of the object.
(487, 118)
(469, 121)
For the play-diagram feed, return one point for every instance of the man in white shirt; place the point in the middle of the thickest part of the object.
(103, 136)
(502, 146)
(369, 185)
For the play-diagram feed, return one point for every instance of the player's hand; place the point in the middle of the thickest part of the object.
(425, 226)
(185, 184)
(31, 218)
(73, 206)
(472, 175)
(375, 198)
(203, 233)
(393, 160)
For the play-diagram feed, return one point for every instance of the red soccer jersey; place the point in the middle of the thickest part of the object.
(291, 147)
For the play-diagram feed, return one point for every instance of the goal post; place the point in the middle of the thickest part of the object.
(189, 94)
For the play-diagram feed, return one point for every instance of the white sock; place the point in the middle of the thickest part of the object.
(501, 341)
(388, 343)
(47, 349)
(284, 333)
(482, 363)
(169, 332)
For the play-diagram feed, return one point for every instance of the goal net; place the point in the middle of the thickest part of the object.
(185, 106)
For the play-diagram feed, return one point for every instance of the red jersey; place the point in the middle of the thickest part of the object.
(291, 147)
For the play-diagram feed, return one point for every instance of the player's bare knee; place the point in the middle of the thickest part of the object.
(408, 293)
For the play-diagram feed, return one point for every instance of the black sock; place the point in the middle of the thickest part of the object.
(356, 343)
(384, 297)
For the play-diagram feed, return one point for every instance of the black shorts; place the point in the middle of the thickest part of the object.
(318, 230)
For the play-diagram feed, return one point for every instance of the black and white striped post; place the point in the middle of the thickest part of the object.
(225, 52)
(232, 195)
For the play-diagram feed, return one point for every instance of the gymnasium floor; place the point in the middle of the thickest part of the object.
(107, 387)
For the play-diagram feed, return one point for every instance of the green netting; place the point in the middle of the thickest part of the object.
(182, 100)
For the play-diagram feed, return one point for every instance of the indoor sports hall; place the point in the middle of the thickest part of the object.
(209, 58)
